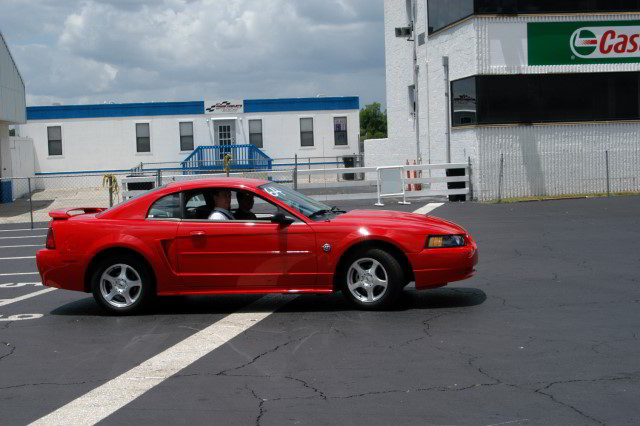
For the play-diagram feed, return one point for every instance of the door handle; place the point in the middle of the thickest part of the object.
(197, 233)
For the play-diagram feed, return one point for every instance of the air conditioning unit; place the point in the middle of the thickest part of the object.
(403, 32)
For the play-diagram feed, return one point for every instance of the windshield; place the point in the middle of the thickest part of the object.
(299, 202)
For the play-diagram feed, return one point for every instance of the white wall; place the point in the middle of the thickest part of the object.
(12, 94)
(399, 76)
(110, 143)
(558, 159)
(458, 44)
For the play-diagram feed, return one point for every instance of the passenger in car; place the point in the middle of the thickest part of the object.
(222, 205)
(245, 204)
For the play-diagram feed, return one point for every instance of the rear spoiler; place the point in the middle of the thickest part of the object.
(63, 214)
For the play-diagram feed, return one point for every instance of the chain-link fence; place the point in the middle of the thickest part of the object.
(513, 175)
(29, 200)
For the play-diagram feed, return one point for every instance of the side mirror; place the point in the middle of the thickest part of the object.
(281, 219)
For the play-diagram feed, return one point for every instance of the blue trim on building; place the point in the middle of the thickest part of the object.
(301, 104)
(114, 110)
(150, 109)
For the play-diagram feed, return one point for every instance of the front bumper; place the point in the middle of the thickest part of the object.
(60, 271)
(438, 266)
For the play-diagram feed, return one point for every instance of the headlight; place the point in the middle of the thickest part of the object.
(445, 241)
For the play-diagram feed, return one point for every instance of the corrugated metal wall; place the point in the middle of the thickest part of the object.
(558, 160)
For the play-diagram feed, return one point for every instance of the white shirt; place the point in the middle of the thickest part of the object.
(220, 214)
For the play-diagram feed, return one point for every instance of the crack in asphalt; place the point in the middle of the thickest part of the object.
(260, 405)
(11, 350)
(308, 386)
(270, 351)
(54, 384)
(571, 407)
(426, 330)
(541, 390)
(607, 342)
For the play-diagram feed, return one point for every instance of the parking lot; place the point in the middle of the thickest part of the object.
(545, 333)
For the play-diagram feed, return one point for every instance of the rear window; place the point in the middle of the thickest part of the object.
(167, 207)
(127, 201)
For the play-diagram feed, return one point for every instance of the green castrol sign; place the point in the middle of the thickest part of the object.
(595, 42)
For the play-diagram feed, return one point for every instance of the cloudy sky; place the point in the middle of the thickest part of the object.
(94, 51)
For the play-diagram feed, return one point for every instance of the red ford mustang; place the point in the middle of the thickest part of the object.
(169, 242)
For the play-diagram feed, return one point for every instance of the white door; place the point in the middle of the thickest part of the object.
(225, 133)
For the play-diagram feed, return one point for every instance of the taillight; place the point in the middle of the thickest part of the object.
(51, 244)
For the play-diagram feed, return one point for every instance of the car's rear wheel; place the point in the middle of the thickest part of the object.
(122, 285)
(372, 279)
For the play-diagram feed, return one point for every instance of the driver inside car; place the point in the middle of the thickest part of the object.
(245, 204)
(222, 205)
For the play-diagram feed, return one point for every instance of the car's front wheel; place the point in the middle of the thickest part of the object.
(372, 279)
(122, 285)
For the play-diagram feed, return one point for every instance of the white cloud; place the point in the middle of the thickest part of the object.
(193, 49)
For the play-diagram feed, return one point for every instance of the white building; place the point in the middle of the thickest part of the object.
(12, 111)
(110, 137)
(545, 95)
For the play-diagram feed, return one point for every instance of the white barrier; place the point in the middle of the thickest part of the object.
(391, 183)
(130, 193)
(387, 182)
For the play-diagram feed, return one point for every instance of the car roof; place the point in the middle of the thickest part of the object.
(229, 182)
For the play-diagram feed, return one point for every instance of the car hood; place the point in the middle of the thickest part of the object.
(399, 219)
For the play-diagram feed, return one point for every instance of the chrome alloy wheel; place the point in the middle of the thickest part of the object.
(120, 285)
(367, 280)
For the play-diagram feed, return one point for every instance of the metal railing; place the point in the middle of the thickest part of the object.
(207, 158)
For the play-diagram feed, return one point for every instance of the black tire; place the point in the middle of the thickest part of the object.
(364, 289)
(130, 285)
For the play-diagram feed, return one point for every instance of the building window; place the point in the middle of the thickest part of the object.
(340, 130)
(442, 13)
(143, 138)
(186, 136)
(546, 98)
(255, 133)
(464, 108)
(54, 140)
(306, 132)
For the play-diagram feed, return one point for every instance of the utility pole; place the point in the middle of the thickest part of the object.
(416, 70)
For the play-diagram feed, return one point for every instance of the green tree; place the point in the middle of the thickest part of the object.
(373, 122)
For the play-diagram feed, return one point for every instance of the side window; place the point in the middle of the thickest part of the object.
(167, 207)
(198, 205)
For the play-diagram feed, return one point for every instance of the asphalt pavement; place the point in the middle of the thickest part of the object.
(545, 333)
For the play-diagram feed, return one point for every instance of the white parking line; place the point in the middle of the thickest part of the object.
(429, 207)
(27, 245)
(23, 229)
(26, 236)
(21, 257)
(104, 400)
(5, 302)
(20, 273)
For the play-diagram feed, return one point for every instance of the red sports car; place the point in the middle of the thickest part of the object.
(222, 236)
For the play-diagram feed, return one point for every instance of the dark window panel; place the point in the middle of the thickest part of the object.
(548, 98)
(255, 139)
(464, 105)
(446, 12)
(55, 147)
(442, 13)
(554, 6)
(186, 143)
